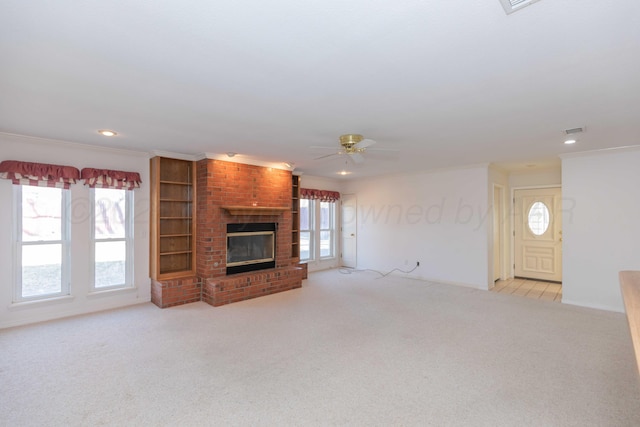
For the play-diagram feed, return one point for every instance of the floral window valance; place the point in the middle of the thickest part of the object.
(39, 174)
(105, 178)
(322, 195)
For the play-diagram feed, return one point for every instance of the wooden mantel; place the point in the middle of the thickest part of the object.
(630, 285)
(254, 210)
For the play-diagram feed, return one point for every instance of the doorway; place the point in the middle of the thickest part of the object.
(538, 234)
(348, 230)
(498, 233)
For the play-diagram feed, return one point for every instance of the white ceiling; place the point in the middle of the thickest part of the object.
(446, 83)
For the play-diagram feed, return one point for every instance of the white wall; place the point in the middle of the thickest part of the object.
(535, 178)
(45, 151)
(601, 231)
(439, 218)
(321, 183)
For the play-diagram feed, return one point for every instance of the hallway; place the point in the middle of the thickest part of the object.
(530, 289)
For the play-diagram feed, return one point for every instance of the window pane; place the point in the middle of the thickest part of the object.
(304, 214)
(305, 246)
(326, 209)
(41, 270)
(110, 213)
(110, 264)
(41, 213)
(538, 218)
(325, 244)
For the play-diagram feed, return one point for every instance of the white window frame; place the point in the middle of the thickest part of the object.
(315, 251)
(331, 230)
(65, 242)
(310, 230)
(128, 239)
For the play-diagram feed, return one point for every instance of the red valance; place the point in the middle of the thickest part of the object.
(106, 178)
(38, 174)
(322, 195)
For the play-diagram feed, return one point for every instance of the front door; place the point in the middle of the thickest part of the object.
(538, 234)
(349, 215)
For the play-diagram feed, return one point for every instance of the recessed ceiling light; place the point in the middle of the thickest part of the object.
(343, 173)
(107, 132)
(288, 164)
(570, 141)
(231, 154)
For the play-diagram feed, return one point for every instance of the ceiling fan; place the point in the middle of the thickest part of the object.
(352, 145)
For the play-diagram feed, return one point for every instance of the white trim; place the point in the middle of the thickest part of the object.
(76, 145)
(594, 306)
(592, 153)
(107, 292)
(41, 302)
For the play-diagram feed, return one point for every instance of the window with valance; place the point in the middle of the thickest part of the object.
(105, 178)
(39, 174)
(322, 195)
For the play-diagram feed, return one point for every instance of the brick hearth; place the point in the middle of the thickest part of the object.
(221, 184)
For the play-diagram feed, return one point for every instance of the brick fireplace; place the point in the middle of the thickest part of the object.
(234, 193)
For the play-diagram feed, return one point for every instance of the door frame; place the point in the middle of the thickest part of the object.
(501, 211)
(512, 217)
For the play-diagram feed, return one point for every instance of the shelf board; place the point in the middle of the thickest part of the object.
(174, 182)
(254, 210)
(174, 253)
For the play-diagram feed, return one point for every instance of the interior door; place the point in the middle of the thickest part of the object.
(538, 234)
(349, 223)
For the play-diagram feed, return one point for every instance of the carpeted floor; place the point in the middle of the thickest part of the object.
(346, 349)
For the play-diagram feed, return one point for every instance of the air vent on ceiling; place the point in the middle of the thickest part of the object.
(511, 6)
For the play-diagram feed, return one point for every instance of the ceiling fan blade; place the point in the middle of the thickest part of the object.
(365, 143)
(328, 155)
(356, 157)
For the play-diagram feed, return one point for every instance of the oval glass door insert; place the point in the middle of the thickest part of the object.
(538, 218)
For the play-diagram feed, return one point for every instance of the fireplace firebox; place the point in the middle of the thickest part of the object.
(250, 247)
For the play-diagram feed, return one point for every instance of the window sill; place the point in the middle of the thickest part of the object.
(41, 302)
(111, 292)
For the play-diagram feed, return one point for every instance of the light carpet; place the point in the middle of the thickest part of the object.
(345, 349)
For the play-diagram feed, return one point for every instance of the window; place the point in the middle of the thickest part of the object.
(327, 229)
(42, 242)
(317, 229)
(538, 218)
(306, 229)
(112, 238)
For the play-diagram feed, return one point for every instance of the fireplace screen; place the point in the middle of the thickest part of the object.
(249, 250)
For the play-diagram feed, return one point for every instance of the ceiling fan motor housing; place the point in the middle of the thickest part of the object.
(349, 140)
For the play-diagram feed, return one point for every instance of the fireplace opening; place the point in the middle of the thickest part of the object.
(250, 247)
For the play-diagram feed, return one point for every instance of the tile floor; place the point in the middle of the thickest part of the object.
(530, 289)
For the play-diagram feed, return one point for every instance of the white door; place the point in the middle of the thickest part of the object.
(538, 234)
(349, 222)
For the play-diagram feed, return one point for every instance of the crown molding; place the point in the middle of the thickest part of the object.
(77, 145)
(601, 151)
(243, 159)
